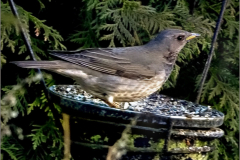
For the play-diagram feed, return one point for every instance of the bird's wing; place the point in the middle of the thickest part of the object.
(106, 61)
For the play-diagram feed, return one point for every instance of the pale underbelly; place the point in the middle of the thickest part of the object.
(126, 90)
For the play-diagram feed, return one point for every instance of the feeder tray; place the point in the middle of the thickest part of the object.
(155, 109)
(166, 128)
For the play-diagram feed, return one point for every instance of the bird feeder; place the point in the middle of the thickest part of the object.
(165, 128)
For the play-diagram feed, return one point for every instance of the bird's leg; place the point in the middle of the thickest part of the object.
(109, 101)
(113, 105)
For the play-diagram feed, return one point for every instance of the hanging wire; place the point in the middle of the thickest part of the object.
(193, 5)
(29, 49)
(210, 55)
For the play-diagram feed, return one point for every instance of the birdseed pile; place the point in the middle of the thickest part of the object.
(155, 103)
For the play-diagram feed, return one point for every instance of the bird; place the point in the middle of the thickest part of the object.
(121, 74)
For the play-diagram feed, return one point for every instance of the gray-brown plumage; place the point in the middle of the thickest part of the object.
(121, 74)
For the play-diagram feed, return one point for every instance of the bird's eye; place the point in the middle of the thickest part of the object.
(180, 38)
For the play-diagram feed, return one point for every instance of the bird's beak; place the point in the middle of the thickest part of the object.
(193, 35)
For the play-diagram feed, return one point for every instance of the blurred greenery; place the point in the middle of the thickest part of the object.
(60, 25)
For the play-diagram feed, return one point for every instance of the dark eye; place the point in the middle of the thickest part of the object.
(180, 38)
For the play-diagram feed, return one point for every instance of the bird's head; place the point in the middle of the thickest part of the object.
(174, 40)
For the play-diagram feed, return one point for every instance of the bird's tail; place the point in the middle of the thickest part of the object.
(38, 64)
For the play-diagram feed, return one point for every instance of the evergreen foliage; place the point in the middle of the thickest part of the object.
(114, 23)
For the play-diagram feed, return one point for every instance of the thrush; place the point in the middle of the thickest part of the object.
(122, 74)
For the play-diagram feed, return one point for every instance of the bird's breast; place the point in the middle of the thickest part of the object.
(127, 90)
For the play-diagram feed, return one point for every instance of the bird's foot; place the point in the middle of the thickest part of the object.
(113, 104)
(110, 101)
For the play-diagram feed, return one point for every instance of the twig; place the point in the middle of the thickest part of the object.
(67, 141)
(119, 148)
